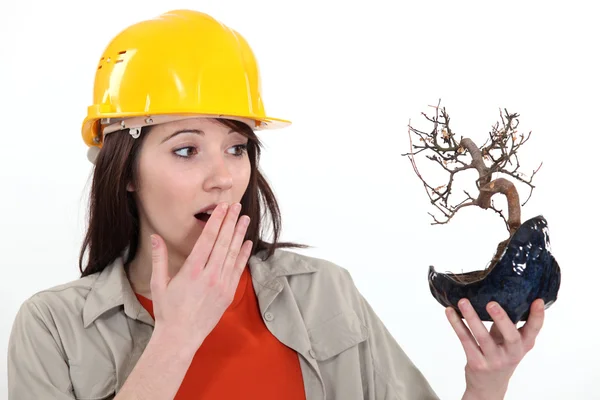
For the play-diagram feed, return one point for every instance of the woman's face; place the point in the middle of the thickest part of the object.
(186, 167)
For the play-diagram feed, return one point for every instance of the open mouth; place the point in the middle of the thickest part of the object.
(202, 216)
(205, 214)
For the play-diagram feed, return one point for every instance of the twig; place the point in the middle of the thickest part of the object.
(497, 156)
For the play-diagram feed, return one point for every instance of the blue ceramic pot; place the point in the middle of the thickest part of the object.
(525, 272)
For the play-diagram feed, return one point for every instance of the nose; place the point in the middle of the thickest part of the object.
(219, 176)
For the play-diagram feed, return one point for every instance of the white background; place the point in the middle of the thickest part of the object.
(350, 77)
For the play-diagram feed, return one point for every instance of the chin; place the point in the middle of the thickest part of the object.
(180, 242)
(187, 242)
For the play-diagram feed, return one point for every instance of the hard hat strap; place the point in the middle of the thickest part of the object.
(135, 124)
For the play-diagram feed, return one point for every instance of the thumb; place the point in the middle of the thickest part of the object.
(160, 266)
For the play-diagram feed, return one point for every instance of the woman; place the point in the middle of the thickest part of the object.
(181, 296)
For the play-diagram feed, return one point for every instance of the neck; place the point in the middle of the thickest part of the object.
(139, 270)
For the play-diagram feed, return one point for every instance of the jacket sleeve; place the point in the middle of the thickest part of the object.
(37, 365)
(395, 377)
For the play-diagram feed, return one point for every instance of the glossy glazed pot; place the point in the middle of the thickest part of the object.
(525, 272)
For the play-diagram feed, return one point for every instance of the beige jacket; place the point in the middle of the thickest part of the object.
(82, 339)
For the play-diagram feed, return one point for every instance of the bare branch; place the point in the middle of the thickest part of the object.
(455, 154)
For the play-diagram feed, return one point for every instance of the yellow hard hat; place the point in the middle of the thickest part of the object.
(181, 64)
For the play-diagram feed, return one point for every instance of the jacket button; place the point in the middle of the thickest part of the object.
(269, 317)
(312, 353)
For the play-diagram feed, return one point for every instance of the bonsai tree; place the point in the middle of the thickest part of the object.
(495, 160)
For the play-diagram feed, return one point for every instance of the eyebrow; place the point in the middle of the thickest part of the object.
(194, 131)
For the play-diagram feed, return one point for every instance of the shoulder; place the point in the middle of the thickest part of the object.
(46, 316)
(57, 302)
(316, 270)
(72, 292)
(290, 261)
(317, 284)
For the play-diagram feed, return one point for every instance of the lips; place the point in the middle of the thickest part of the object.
(208, 208)
(205, 213)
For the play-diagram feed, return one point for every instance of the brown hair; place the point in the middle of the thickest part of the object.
(114, 223)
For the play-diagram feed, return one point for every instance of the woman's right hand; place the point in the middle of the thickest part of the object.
(189, 305)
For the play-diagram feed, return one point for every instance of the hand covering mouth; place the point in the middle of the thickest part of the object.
(205, 213)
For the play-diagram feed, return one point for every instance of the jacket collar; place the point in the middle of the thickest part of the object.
(112, 289)
(281, 264)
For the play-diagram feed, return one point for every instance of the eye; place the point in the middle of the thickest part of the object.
(186, 152)
(240, 149)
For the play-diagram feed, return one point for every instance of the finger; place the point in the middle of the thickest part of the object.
(240, 264)
(199, 255)
(219, 253)
(496, 334)
(470, 346)
(534, 324)
(160, 267)
(511, 337)
(235, 247)
(480, 332)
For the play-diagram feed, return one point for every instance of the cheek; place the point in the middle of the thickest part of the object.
(241, 178)
(160, 189)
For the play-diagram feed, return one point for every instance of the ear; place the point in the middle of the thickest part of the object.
(130, 187)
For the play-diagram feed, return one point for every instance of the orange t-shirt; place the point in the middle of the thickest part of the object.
(240, 358)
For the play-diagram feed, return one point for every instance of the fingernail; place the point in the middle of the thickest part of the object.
(245, 220)
(237, 207)
(541, 305)
(462, 303)
(154, 241)
(493, 307)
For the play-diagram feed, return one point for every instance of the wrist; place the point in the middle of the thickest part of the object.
(174, 343)
(473, 395)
